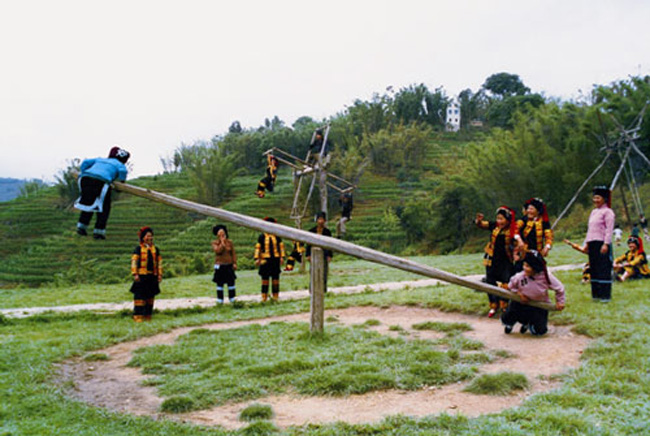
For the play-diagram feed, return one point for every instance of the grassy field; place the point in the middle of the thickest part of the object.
(608, 395)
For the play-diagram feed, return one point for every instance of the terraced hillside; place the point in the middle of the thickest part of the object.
(40, 244)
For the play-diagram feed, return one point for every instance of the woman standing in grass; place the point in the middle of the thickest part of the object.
(598, 244)
(146, 268)
(225, 263)
(498, 258)
(269, 254)
(532, 284)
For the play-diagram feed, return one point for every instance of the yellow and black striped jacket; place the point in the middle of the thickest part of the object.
(536, 233)
(637, 262)
(269, 246)
(494, 234)
(146, 260)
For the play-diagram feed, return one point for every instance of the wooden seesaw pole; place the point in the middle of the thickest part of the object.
(324, 242)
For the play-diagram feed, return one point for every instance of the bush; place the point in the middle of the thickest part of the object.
(256, 412)
(502, 383)
(178, 404)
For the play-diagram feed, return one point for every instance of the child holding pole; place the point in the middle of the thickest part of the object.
(532, 284)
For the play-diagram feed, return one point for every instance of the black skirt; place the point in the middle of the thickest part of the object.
(146, 288)
(270, 268)
(224, 274)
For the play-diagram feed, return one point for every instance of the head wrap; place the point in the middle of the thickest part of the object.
(271, 220)
(218, 227)
(638, 241)
(538, 204)
(536, 261)
(143, 231)
(119, 154)
(321, 215)
(509, 214)
(604, 192)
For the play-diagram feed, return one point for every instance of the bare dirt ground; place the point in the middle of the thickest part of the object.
(111, 384)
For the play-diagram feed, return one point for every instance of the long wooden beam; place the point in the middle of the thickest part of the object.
(323, 242)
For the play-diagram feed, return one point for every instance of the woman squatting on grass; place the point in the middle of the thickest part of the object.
(225, 263)
(146, 268)
(532, 284)
(498, 258)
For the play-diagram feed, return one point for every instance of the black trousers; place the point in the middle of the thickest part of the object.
(90, 190)
(600, 266)
(534, 317)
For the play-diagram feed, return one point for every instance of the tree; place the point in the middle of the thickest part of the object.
(503, 85)
(67, 185)
(212, 171)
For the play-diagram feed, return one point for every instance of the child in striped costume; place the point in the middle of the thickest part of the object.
(498, 258)
(269, 255)
(146, 268)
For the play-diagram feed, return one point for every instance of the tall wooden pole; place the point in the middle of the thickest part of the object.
(317, 290)
(325, 242)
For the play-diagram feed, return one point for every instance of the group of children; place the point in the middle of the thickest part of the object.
(514, 260)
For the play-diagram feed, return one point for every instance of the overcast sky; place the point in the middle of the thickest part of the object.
(78, 77)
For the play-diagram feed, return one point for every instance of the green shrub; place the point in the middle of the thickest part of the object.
(177, 404)
(256, 412)
(502, 383)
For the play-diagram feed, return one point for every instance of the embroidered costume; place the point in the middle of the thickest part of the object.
(269, 252)
(634, 263)
(498, 257)
(536, 233)
(268, 182)
(146, 268)
(295, 256)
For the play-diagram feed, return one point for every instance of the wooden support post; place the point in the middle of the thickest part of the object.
(322, 179)
(317, 290)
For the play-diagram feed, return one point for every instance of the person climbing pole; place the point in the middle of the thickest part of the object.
(347, 204)
(268, 182)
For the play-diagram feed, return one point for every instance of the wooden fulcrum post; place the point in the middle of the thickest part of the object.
(317, 290)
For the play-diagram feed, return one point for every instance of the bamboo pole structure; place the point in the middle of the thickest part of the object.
(317, 290)
(323, 242)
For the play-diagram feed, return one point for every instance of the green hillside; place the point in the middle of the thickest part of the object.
(40, 244)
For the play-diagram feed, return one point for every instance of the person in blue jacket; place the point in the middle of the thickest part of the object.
(95, 186)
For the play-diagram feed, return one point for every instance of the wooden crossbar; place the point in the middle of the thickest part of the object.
(323, 242)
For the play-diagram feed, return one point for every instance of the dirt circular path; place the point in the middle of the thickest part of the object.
(113, 385)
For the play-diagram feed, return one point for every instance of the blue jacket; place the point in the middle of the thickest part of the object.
(105, 169)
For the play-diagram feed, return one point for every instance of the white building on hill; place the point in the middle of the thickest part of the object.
(453, 116)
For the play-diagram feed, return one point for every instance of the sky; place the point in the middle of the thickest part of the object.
(77, 77)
